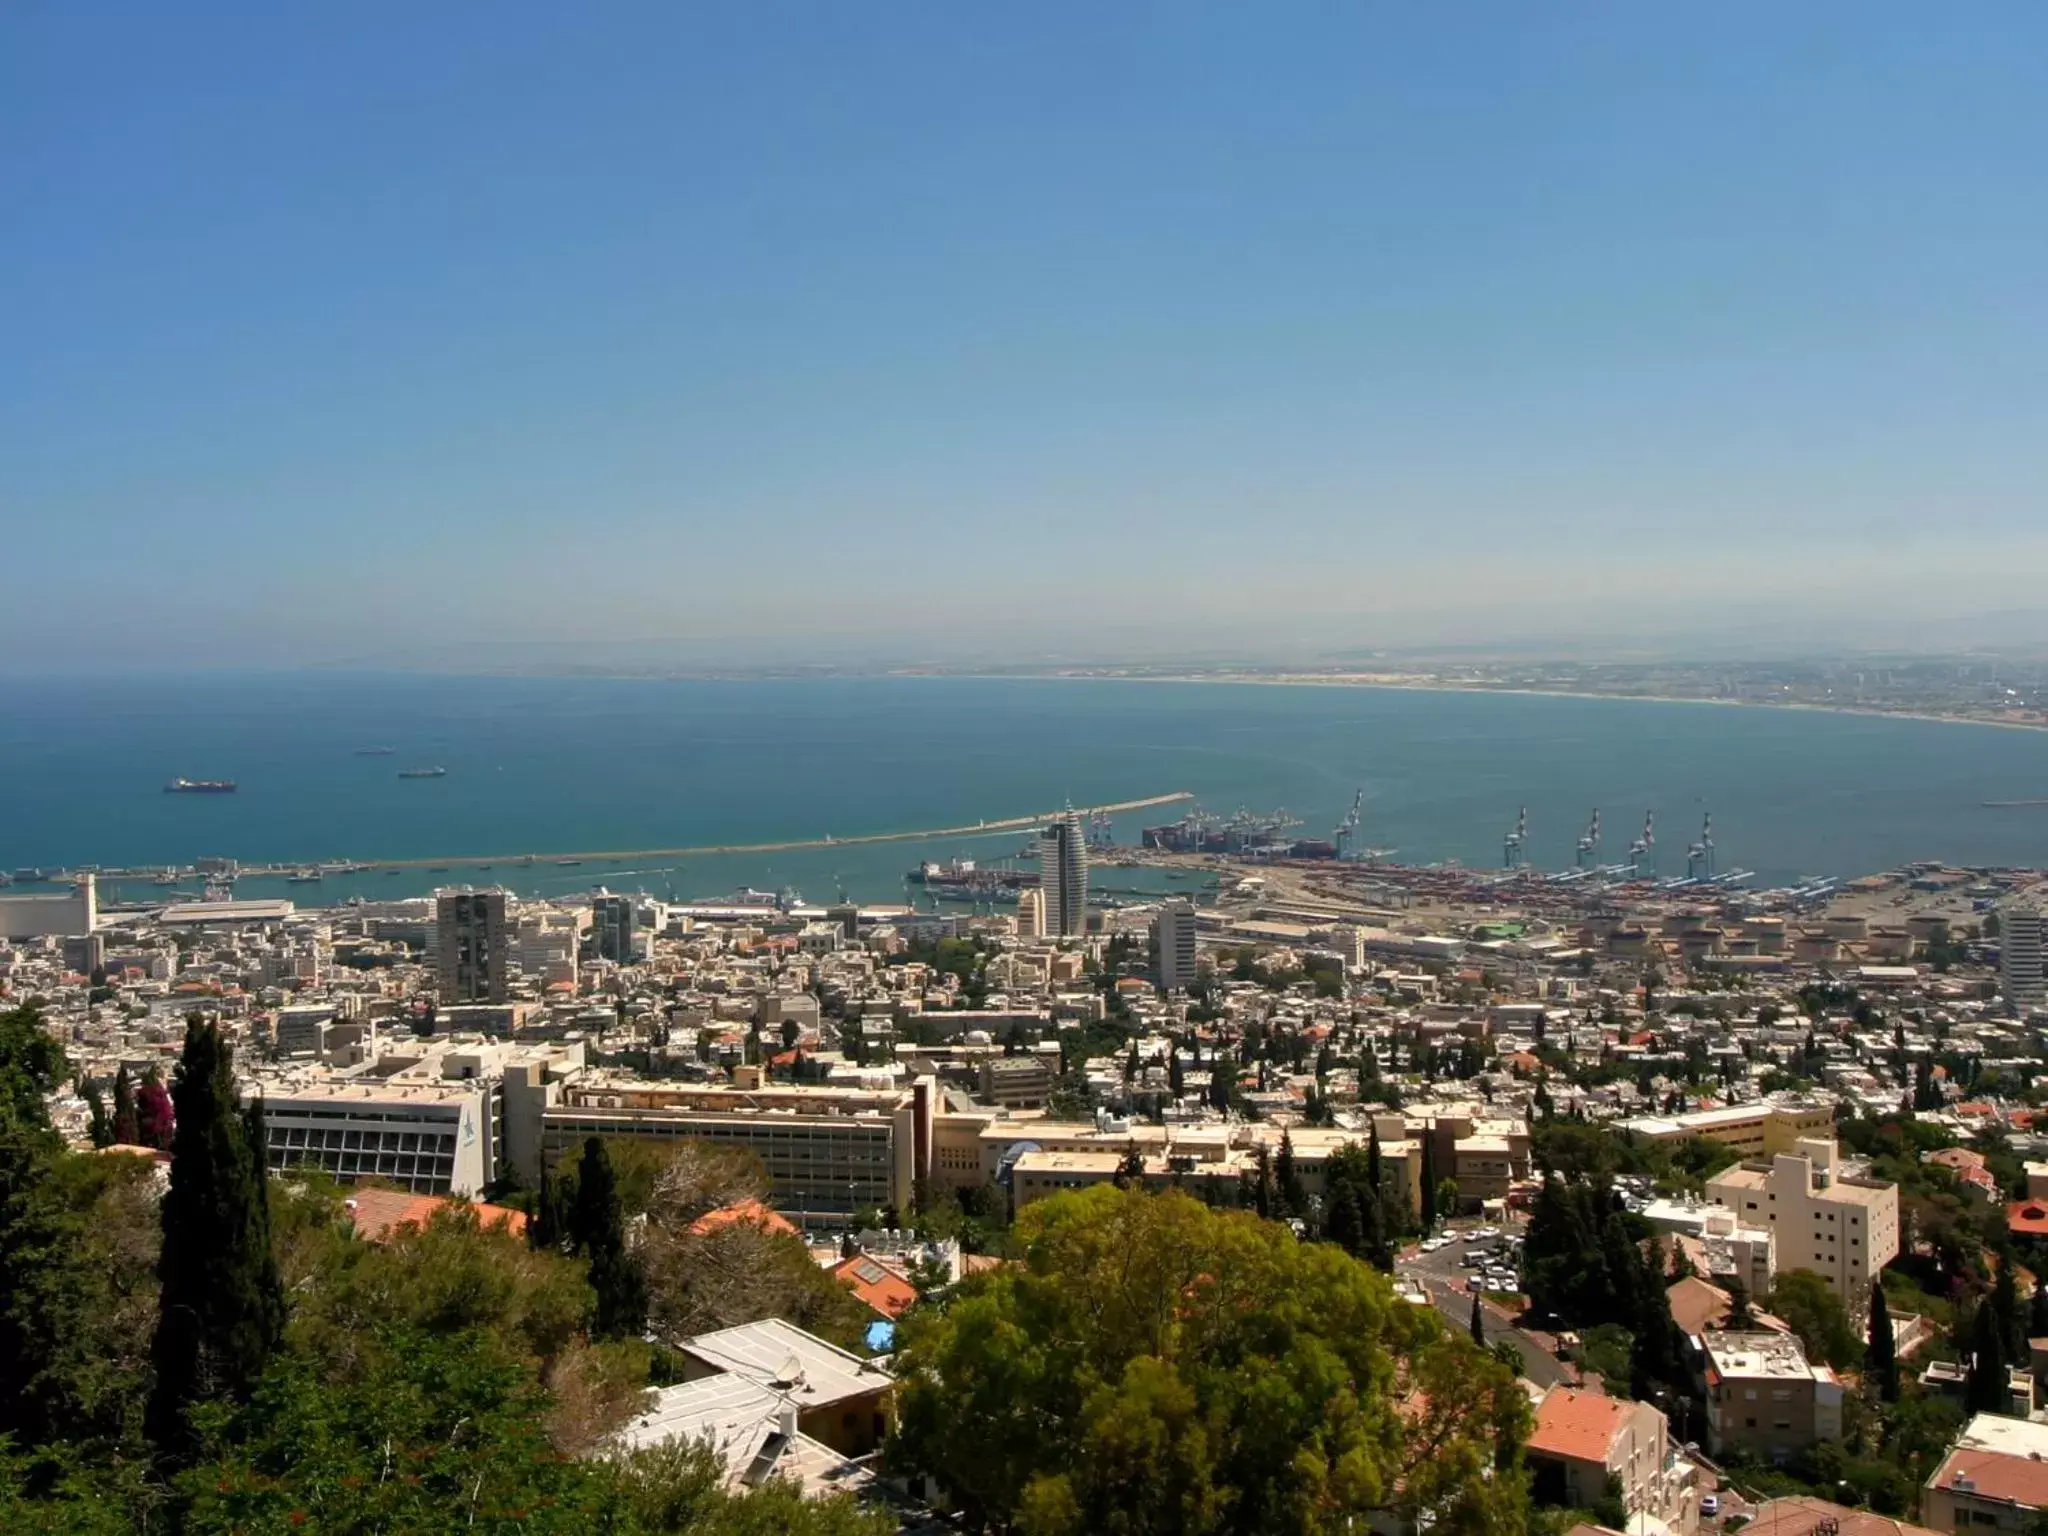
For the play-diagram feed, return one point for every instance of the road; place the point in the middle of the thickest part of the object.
(1443, 1278)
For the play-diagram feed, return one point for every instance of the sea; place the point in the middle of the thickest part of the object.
(550, 766)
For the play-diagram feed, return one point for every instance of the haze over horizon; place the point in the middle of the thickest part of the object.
(395, 333)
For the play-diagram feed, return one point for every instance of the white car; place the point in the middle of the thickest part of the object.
(1710, 1504)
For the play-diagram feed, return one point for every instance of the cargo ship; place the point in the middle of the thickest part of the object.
(200, 787)
(963, 880)
(423, 773)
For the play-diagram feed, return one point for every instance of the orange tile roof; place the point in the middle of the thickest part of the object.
(753, 1212)
(876, 1284)
(1997, 1475)
(2027, 1217)
(1802, 1516)
(1577, 1426)
(379, 1213)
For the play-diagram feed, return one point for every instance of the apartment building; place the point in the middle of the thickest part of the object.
(1994, 1478)
(1754, 1130)
(1581, 1439)
(828, 1152)
(470, 945)
(1843, 1229)
(1763, 1397)
(1173, 947)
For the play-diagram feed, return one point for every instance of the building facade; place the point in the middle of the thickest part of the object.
(470, 946)
(1843, 1229)
(2022, 967)
(1063, 877)
(1173, 947)
(1764, 1398)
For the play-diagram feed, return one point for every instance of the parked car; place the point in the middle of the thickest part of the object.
(1710, 1504)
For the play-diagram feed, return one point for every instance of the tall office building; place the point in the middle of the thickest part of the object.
(470, 940)
(612, 923)
(2020, 962)
(1063, 877)
(1031, 914)
(1173, 947)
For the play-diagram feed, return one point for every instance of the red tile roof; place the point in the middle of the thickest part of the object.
(2027, 1217)
(753, 1212)
(1577, 1426)
(876, 1284)
(1997, 1475)
(378, 1213)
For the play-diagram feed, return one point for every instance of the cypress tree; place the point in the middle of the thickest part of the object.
(1882, 1359)
(127, 1128)
(1478, 1324)
(221, 1312)
(1292, 1198)
(597, 1228)
(102, 1127)
(1989, 1388)
(2005, 1307)
(2037, 1311)
(544, 1231)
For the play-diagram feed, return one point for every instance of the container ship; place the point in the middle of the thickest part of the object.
(1252, 832)
(200, 787)
(423, 773)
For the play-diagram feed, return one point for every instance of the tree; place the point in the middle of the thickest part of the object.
(1881, 1356)
(155, 1117)
(2005, 1306)
(1130, 1168)
(221, 1303)
(1989, 1387)
(127, 1131)
(597, 1229)
(1157, 1366)
(1429, 1191)
(1478, 1322)
(1293, 1197)
(1806, 1301)
(1740, 1319)
(102, 1126)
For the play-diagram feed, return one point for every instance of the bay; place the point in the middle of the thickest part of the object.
(544, 766)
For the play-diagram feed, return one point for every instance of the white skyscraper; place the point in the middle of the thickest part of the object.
(1173, 947)
(1063, 877)
(2020, 962)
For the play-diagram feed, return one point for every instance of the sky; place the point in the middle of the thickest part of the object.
(389, 331)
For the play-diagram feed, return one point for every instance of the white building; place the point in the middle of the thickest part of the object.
(51, 915)
(433, 1138)
(1063, 876)
(1843, 1229)
(2020, 960)
(1173, 947)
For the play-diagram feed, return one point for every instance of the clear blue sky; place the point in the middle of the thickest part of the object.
(359, 329)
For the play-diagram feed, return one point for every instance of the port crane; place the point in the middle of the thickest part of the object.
(1645, 847)
(1100, 833)
(1699, 858)
(1515, 844)
(1589, 845)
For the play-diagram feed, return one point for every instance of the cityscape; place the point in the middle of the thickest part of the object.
(1742, 1068)
(1062, 770)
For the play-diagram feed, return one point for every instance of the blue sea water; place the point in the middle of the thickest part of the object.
(548, 765)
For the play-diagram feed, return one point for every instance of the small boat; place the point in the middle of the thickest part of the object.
(303, 877)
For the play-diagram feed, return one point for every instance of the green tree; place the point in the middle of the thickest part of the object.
(102, 1126)
(1741, 1318)
(1807, 1302)
(597, 1230)
(221, 1304)
(1155, 1366)
(1882, 1357)
(1293, 1197)
(1988, 1389)
(127, 1130)
(1477, 1324)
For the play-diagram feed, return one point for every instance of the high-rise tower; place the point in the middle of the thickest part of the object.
(1063, 876)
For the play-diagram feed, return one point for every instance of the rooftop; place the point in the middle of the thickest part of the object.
(1576, 1425)
(1750, 1356)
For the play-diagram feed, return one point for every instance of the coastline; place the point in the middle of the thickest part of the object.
(1300, 680)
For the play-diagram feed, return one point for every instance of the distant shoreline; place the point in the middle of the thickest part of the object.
(1295, 680)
